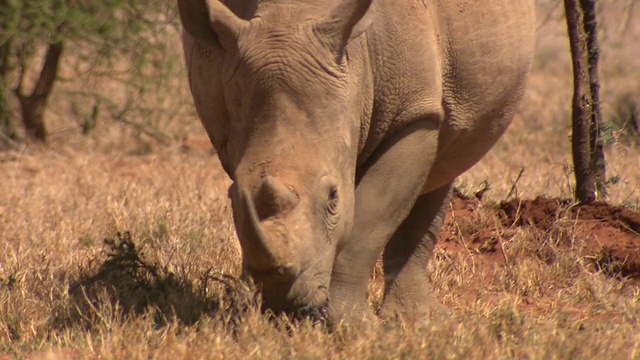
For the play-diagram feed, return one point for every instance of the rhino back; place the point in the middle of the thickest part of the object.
(466, 60)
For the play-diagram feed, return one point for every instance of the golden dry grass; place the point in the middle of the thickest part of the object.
(58, 204)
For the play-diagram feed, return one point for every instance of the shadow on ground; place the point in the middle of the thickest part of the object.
(124, 283)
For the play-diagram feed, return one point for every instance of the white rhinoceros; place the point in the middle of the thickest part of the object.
(343, 124)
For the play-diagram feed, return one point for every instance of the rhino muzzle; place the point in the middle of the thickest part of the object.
(298, 297)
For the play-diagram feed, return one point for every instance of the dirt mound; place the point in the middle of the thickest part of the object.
(608, 235)
(544, 213)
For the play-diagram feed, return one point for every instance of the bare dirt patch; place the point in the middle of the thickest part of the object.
(607, 236)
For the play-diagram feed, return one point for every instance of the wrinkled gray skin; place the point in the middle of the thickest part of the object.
(343, 124)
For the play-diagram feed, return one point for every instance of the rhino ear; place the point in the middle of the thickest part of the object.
(346, 22)
(211, 21)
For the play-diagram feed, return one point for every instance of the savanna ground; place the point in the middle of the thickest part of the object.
(119, 246)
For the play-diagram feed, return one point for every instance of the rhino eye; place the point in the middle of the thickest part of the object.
(332, 201)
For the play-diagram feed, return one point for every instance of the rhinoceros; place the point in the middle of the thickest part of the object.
(342, 124)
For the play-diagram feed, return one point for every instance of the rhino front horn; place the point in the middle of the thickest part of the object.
(258, 252)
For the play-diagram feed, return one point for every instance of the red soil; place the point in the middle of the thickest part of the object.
(608, 235)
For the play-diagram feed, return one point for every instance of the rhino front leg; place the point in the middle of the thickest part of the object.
(384, 196)
(407, 288)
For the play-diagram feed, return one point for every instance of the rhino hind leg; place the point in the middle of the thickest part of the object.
(408, 291)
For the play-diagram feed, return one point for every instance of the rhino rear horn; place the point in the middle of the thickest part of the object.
(274, 198)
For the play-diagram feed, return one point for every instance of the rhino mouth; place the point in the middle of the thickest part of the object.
(310, 304)
(318, 315)
(297, 296)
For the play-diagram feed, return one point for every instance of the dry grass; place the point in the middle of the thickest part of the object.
(168, 291)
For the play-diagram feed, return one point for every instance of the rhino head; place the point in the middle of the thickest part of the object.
(282, 101)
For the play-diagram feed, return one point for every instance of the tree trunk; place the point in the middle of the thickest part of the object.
(33, 106)
(581, 105)
(597, 157)
(7, 126)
